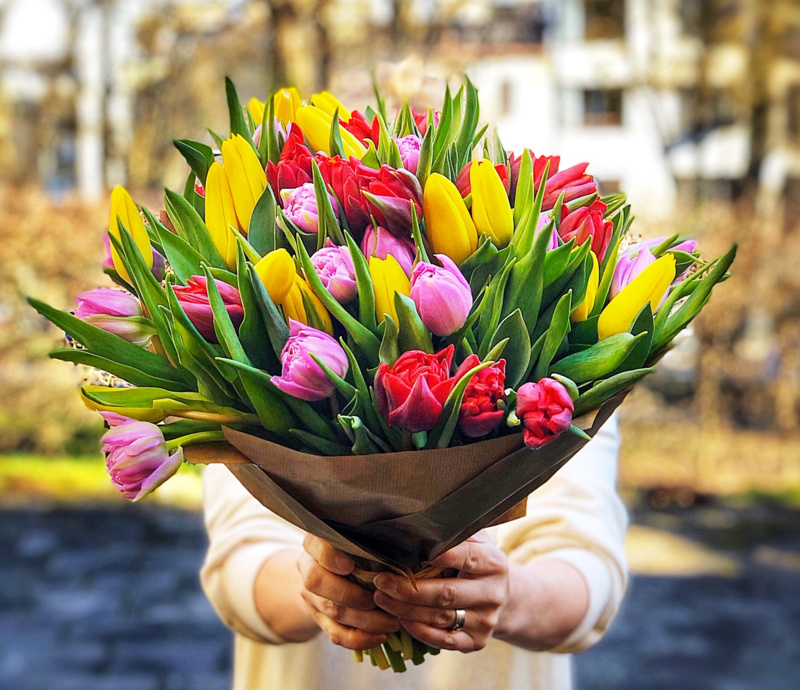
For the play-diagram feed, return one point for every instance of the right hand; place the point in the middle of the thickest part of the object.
(345, 612)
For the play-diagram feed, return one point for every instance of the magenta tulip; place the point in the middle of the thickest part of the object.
(193, 297)
(137, 458)
(380, 243)
(301, 376)
(300, 207)
(545, 410)
(409, 147)
(442, 295)
(334, 266)
(116, 312)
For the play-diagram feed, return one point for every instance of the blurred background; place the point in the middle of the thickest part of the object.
(690, 106)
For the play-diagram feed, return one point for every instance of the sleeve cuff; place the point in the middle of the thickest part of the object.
(239, 576)
(598, 580)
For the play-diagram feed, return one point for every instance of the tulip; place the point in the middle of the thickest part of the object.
(159, 268)
(412, 392)
(649, 286)
(347, 179)
(573, 182)
(421, 120)
(581, 313)
(246, 177)
(137, 458)
(221, 214)
(380, 243)
(544, 221)
(193, 297)
(124, 211)
(442, 296)
(300, 206)
(287, 101)
(294, 167)
(545, 410)
(491, 210)
(687, 246)
(409, 147)
(388, 277)
(277, 273)
(361, 129)
(464, 184)
(329, 105)
(390, 197)
(588, 223)
(335, 269)
(116, 312)
(256, 109)
(301, 377)
(316, 125)
(294, 306)
(447, 221)
(629, 266)
(479, 415)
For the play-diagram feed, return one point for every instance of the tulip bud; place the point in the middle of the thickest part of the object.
(588, 224)
(581, 313)
(287, 101)
(294, 307)
(335, 269)
(329, 104)
(479, 415)
(629, 266)
(277, 273)
(301, 376)
(300, 206)
(545, 409)
(137, 458)
(116, 312)
(193, 297)
(442, 296)
(491, 209)
(256, 109)
(388, 277)
(124, 210)
(649, 286)
(409, 147)
(246, 177)
(380, 243)
(447, 221)
(316, 125)
(221, 214)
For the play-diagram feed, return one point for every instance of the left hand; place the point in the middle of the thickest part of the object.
(429, 613)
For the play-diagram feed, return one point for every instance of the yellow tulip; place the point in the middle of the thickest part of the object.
(316, 125)
(287, 101)
(649, 286)
(246, 177)
(277, 272)
(221, 214)
(294, 307)
(329, 103)
(256, 109)
(585, 308)
(491, 209)
(447, 221)
(388, 277)
(122, 207)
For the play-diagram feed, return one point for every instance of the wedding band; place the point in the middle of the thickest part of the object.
(461, 618)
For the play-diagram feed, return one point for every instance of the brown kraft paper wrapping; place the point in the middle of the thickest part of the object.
(399, 509)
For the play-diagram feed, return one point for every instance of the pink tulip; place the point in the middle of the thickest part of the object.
(628, 267)
(380, 243)
(300, 207)
(137, 458)
(301, 376)
(116, 312)
(442, 295)
(545, 410)
(194, 300)
(409, 151)
(544, 220)
(334, 266)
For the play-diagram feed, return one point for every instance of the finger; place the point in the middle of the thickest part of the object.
(375, 621)
(322, 582)
(441, 592)
(343, 636)
(328, 556)
(437, 618)
(476, 556)
(459, 640)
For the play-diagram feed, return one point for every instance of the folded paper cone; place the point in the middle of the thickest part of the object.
(399, 510)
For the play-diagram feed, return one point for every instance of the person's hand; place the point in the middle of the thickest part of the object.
(345, 612)
(429, 612)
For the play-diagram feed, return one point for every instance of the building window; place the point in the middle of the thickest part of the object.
(602, 107)
(605, 19)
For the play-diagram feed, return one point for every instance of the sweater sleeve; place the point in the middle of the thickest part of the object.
(578, 517)
(242, 534)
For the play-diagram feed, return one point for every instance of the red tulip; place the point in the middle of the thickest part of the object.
(360, 127)
(574, 181)
(347, 178)
(412, 392)
(294, 167)
(194, 300)
(545, 410)
(585, 223)
(479, 415)
(393, 194)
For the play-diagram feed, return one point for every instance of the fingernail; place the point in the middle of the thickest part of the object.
(383, 581)
(344, 566)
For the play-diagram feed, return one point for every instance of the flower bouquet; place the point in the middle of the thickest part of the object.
(390, 329)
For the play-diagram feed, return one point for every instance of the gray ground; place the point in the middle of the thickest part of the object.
(109, 599)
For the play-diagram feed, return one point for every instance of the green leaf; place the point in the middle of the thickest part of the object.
(643, 325)
(556, 332)
(526, 230)
(425, 157)
(469, 123)
(238, 122)
(416, 233)
(492, 313)
(328, 224)
(518, 349)
(389, 350)
(262, 233)
(607, 275)
(126, 373)
(252, 329)
(366, 290)
(497, 350)
(603, 390)
(198, 156)
(335, 139)
(191, 227)
(347, 390)
(569, 384)
(185, 261)
(413, 334)
(599, 360)
(556, 288)
(277, 330)
(323, 445)
(525, 195)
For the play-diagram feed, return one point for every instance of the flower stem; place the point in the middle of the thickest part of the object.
(237, 418)
(199, 437)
